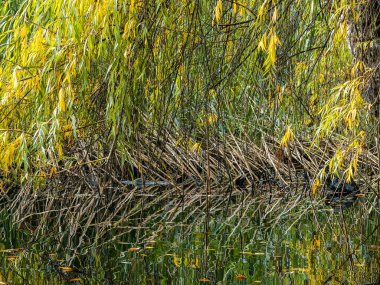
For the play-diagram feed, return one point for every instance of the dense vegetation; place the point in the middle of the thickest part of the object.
(245, 120)
(107, 73)
(95, 94)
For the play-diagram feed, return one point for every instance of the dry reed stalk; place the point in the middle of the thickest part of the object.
(85, 202)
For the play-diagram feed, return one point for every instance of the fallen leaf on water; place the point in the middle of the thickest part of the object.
(252, 253)
(240, 277)
(297, 269)
(134, 249)
(66, 268)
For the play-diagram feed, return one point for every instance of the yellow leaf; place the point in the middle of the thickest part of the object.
(288, 136)
(23, 32)
(53, 171)
(263, 42)
(315, 186)
(177, 261)
(349, 174)
(212, 118)
(61, 100)
(194, 263)
(132, 6)
(59, 150)
(15, 80)
(234, 7)
(196, 147)
(316, 241)
(275, 15)
(218, 11)
(274, 41)
(261, 10)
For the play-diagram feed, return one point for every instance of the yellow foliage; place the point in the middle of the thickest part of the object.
(177, 261)
(275, 15)
(14, 77)
(132, 6)
(61, 100)
(301, 66)
(218, 10)
(288, 136)
(316, 185)
(316, 241)
(262, 9)
(67, 131)
(53, 171)
(263, 43)
(234, 7)
(274, 41)
(59, 149)
(9, 154)
(212, 118)
(187, 261)
(196, 147)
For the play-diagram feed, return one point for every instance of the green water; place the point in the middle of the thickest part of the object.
(311, 245)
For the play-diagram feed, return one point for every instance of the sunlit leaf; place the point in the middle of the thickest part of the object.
(218, 10)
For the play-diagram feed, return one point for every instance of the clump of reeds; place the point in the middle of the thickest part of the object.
(169, 183)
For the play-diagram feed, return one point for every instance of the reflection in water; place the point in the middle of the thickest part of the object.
(313, 248)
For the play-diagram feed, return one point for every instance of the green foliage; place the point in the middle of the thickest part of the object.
(195, 68)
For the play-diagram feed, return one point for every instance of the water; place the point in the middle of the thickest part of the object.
(309, 245)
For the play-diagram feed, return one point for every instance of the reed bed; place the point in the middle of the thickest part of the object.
(83, 204)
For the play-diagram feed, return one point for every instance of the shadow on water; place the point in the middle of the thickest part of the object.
(311, 244)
